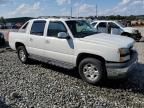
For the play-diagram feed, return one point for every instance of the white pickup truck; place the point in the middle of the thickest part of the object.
(75, 43)
(117, 28)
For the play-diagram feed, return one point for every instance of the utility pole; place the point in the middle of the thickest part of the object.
(71, 8)
(96, 10)
(78, 13)
(71, 11)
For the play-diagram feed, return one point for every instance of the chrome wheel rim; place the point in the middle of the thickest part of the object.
(22, 55)
(91, 72)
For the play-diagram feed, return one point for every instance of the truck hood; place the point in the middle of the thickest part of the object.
(130, 29)
(110, 40)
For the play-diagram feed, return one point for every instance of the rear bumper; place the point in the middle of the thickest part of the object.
(120, 70)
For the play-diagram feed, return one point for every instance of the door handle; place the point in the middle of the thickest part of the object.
(47, 41)
(31, 39)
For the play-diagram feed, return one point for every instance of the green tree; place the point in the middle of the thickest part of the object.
(2, 20)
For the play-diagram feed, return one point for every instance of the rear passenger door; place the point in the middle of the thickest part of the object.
(36, 38)
(56, 48)
(102, 27)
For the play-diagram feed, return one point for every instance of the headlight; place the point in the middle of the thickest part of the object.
(124, 54)
(124, 51)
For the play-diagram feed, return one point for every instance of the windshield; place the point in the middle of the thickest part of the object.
(81, 28)
(120, 23)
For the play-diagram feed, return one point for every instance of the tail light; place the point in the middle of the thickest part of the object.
(124, 54)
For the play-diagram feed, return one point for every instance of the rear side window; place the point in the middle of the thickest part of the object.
(102, 24)
(55, 27)
(25, 26)
(93, 24)
(38, 28)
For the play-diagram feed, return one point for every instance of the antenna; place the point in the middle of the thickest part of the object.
(96, 10)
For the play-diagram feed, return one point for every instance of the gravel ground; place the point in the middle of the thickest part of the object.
(40, 85)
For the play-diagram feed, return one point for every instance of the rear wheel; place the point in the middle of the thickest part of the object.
(3, 41)
(22, 54)
(92, 71)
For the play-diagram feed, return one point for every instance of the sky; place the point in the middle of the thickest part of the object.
(35, 8)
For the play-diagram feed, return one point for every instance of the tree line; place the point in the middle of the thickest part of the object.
(112, 17)
(118, 17)
(14, 20)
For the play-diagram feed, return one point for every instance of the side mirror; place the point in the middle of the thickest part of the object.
(63, 35)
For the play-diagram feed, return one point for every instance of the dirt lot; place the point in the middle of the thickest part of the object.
(40, 85)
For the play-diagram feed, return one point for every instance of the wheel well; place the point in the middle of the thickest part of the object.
(18, 44)
(86, 55)
(125, 33)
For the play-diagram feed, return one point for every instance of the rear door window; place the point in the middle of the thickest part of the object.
(38, 28)
(94, 24)
(102, 24)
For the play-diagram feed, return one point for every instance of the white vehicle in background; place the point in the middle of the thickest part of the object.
(117, 28)
(75, 43)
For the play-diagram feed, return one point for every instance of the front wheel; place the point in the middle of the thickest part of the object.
(22, 54)
(92, 71)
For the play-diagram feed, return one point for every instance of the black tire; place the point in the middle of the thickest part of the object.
(99, 66)
(3, 41)
(22, 51)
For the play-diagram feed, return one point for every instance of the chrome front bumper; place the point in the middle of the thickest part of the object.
(120, 70)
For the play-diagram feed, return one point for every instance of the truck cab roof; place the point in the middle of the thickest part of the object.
(55, 19)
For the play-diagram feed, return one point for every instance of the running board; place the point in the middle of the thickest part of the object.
(52, 61)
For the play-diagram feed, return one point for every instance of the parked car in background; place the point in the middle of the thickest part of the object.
(2, 26)
(2, 40)
(115, 27)
(73, 43)
(11, 26)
